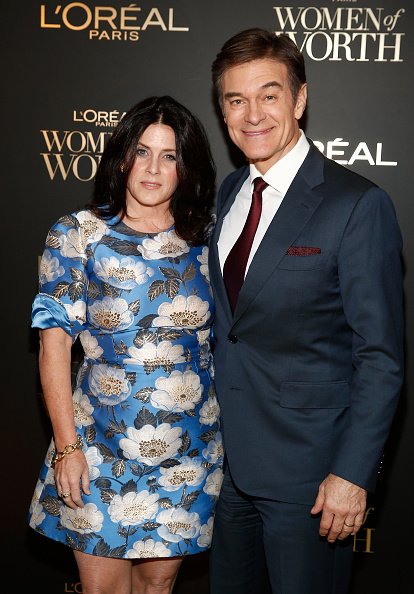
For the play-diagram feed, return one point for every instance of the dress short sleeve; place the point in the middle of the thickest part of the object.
(63, 281)
(49, 313)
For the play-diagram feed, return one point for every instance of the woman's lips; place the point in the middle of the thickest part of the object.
(150, 185)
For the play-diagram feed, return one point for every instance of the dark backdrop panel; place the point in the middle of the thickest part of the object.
(68, 75)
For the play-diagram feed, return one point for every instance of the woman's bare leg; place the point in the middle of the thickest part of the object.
(104, 575)
(155, 576)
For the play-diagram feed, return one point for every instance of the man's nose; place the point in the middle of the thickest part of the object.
(254, 114)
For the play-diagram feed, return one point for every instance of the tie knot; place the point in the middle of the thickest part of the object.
(259, 185)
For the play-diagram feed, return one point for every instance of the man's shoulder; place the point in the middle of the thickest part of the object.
(338, 175)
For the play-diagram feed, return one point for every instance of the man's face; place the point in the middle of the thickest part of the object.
(258, 108)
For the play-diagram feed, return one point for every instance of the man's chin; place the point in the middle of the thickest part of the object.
(258, 160)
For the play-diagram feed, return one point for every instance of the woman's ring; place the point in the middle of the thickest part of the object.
(64, 495)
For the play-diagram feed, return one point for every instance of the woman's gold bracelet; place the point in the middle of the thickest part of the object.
(68, 449)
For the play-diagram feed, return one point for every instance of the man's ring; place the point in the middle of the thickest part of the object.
(64, 495)
(349, 525)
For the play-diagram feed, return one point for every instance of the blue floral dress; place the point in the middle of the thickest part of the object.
(144, 399)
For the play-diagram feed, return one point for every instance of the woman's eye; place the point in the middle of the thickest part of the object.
(141, 152)
(170, 157)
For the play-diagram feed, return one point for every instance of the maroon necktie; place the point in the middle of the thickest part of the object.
(235, 264)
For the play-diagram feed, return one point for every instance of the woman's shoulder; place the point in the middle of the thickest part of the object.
(85, 216)
(75, 218)
(84, 223)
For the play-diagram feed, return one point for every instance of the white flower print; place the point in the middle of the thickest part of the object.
(206, 533)
(50, 477)
(178, 524)
(148, 549)
(94, 459)
(50, 474)
(124, 274)
(189, 472)
(50, 453)
(82, 409)
(183, 312)
(133, 508)
(85, 520)
(164, 245)
(37, 514)
(178, 392)
(37, 493)
(109, 384)
(151, 356)
(77, 311)
(210, 411)
(111, 315)
(212, 370)
(151, 445)
(90, 345)
(72, 244)
(36, 508)
(92, 228)
(203, 336)
(213, 483)
(203, 259)
(214, 450)
(50, 268)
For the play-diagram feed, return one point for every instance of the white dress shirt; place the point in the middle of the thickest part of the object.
(279, 177)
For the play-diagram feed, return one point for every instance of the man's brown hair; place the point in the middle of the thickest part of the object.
(258, 44)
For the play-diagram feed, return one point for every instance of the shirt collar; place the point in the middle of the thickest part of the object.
(281, 174)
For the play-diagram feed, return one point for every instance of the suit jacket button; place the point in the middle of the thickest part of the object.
(233, 338)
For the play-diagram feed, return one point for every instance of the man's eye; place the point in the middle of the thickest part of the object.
(235, 102)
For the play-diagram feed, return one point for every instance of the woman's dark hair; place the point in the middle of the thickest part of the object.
(192, 202)
(258, 44)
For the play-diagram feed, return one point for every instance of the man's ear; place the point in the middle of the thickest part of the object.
(301, 100)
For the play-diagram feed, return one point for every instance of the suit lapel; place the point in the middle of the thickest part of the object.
(296, 209)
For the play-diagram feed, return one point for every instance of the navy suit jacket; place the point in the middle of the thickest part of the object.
(310, 366)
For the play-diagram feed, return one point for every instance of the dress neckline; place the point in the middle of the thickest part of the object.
(121, 226)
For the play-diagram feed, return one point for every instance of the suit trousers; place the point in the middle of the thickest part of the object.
(261, 546)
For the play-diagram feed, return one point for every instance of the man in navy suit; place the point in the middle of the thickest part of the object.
(309, 351)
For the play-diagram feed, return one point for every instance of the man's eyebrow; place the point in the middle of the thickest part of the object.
(268, 85)
(272, 83)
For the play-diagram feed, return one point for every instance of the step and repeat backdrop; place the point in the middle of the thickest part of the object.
(70, 70)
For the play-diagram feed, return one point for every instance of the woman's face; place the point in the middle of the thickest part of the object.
(153, 178)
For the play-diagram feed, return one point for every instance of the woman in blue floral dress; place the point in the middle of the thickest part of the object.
(133, 472)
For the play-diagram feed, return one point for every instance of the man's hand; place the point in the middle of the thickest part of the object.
(342, 505)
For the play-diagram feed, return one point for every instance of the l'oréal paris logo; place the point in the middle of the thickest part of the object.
(75, 151)
(109, 22)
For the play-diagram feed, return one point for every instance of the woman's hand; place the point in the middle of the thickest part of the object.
(72, 479)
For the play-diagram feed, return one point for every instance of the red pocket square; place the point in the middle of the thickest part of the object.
(296, 250)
